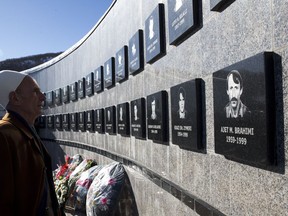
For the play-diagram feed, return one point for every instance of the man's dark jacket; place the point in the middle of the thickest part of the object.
(22, 169)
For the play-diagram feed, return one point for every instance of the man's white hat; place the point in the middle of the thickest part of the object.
(9, 81)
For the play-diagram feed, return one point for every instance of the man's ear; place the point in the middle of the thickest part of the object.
(14, 98)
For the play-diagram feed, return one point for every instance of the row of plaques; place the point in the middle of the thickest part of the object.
(144, 115)
(183, 19)
(244, 113)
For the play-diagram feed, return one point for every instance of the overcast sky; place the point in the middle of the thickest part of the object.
(31, 27)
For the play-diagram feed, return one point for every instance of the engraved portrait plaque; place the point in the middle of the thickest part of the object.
(58, 97)
(244, 110)
(186, 112)
(155, 34)
(66, 121)
(121, 64)
(98, 79)
(109, 73)
(50, 99)
(183, 18)
(123, 119)
(74, 121)
(157, 116)
(81, 88)
(220, 5)
(50, 122)
(65, 94)
(81, 121)
(58, 122)
(138, 118)
(90, 120)
(73, 91)
(136, 53)
(99, 120)
(89, 85)
(110, 119)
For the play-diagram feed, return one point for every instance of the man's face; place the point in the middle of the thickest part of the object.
(181, 102)
(234, 92)
(31, 97)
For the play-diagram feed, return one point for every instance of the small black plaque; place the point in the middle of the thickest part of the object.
(110, 119)
(138, 118)
(186, 111)
(155, 34)
(136, 53)
(58, 122)
(220, 5)
(66, 121)
(49, 99)
(81, 121)
(50, 122)
(65, 92)
(74, 121)
(73, 93)
(98, 79)
(157, 115)
(41, 121)
(58, 96)
(109, 73)
(121, 64)
(99, 120)
(123, 120)
(183, 16)
(81, 88)
(89, 85)
(244, 111)
(90, 120)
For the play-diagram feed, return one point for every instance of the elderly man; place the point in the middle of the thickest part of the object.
(26, 175)
(235, 108)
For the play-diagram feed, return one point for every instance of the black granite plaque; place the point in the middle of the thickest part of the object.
(121, 64)
(244, 110)
(50, 122)
(41, 121)
(110, 119)
(99, 120)
(74, 121)
(81, 121)
(90, 120)
(183, 16)
(73, 91)
(66, 121)
(138, 118)
(136, 53)
(89, 85)
(155, 34)
(58, 96)
(109, 73)
(58, 122)
(49, 99)
(220, 5)
(186, 112)
(98, 79)
(65, 94)
(157, 116)
(81, 88)
(123, 119)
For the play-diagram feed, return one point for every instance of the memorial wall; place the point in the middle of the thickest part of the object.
(190, 95)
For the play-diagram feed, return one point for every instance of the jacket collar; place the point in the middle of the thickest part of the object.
(19, 122)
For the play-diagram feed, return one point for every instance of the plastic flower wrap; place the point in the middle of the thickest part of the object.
(105, 190)
(75, 175)
(62, 177)
(77, 199)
